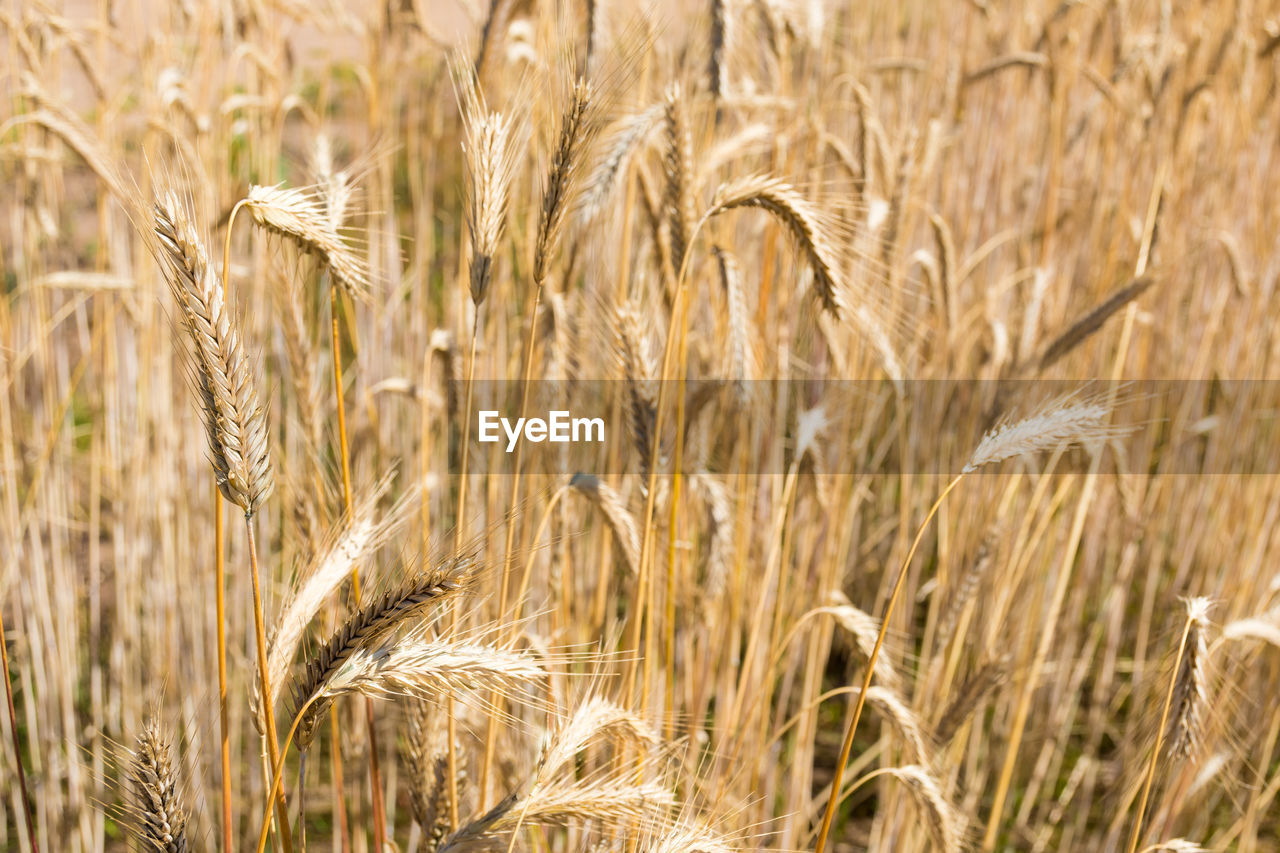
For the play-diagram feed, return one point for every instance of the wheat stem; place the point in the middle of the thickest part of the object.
(220, 607)
(220, 617)
(451, 747)
(269, 717)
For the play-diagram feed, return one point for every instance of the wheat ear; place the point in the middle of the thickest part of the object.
(301, 218)
(803, 221)
(576, 128)
(614, 510)
(1184, 702)
(487, 143)
(157, 796)
(364, 628)
(235, 424)
(426, 762)
(677, 169)
(945, 825)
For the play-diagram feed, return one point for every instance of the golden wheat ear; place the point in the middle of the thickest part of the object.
(300, 218)
(945, 824)
(1190, 685)
(157, 807)
(490, 149)
(221, 373)
(380, 617)
(425, 756)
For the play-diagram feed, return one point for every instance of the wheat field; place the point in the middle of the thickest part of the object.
(931, 347)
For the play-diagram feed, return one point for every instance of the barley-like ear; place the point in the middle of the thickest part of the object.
(157, 796)
(903, 721)
(427, 670)
(595, 719)
(721, 520)
(971, 694)
(677, 169)
(1190, 686)
(864, 629)
(639, 368)
(235, 424)
(426, 758)
(333, 185)
(968, 583)
(741, 360)
(1265, 629)
(946, 827)
(302, 356)
(1075, 418)
(365, 628)
(357, 538)
(576, 128)
(552, 795)
(717, 65)
(488, 145)
(612, 801)
(687, 837)
(1091, 321)
(299, 217)
(1176, 845)
(621, 142)
(615, 513)
(801, 218)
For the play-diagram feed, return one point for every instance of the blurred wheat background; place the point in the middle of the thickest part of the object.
(1083, 653)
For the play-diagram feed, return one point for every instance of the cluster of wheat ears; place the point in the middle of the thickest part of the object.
(879, 590)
